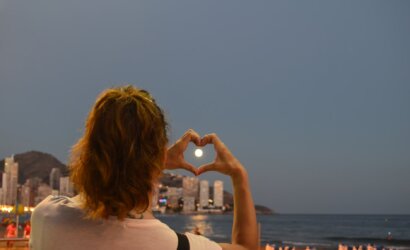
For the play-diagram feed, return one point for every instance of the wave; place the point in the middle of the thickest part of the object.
(366, 240)
(300, 243)
(394, 243)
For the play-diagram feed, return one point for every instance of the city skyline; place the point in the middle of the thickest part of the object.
(33, 189)
(192, 196)
(312, 97)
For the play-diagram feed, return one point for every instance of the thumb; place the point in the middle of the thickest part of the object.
(205, 168)
(189, 167)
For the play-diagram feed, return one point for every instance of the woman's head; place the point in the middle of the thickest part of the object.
(120, 156)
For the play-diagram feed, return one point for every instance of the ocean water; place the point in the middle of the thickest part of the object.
(320, 231)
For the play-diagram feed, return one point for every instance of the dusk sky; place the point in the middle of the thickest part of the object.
(312, 96)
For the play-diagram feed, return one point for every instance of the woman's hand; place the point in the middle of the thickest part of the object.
(224, 162)
(244, 228)
(175, 154)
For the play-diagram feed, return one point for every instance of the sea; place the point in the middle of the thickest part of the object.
(315, 231)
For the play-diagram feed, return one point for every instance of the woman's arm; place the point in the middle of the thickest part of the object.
(244, 228)
(174, 157)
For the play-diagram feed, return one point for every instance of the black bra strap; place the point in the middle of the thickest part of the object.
(183, 243)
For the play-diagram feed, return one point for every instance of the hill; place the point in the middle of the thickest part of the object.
(36, 164)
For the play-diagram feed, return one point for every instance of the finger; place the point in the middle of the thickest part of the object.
(213, 139)
(206, 140)
(190, 168)
(191, 136)
(205, 168)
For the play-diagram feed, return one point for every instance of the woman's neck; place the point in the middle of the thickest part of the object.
(145, 215)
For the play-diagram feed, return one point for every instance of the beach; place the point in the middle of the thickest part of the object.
(300, 231)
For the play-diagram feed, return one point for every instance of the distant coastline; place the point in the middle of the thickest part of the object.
(36, 164)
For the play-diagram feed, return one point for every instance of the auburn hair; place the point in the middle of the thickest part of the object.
(116, 163)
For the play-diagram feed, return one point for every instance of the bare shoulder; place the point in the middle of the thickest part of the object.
(226, 246)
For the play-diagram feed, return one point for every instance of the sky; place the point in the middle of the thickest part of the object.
(313, 97)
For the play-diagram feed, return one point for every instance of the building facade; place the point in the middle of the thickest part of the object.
(174, 194)
(218, 193)
(190, 186)
(55, 175)
(203, 193)
(66, 187)
(9, 182)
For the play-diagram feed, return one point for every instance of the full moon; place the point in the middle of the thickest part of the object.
(198, 152)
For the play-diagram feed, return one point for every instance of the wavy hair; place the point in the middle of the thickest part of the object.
(116, 163)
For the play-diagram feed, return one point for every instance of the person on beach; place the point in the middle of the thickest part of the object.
(115, 167)
(11, 232)
(27, 230)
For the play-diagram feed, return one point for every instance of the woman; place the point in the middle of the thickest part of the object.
(11, 232)
(115, 166)
(27, 230)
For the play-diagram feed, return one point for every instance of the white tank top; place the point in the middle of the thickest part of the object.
(58, 224)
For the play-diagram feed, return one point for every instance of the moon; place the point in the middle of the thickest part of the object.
(198, 152)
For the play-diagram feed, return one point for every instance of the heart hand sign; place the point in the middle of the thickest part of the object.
(224, 162)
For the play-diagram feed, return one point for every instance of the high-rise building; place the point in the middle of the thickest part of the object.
(218, 193)
(203, 193)
(173, 195)
(4, 188)
(34, 183)
(66, 186)
(189, 204)
(10, 179)
(190, 186)
(55, 175)
(26, 195)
